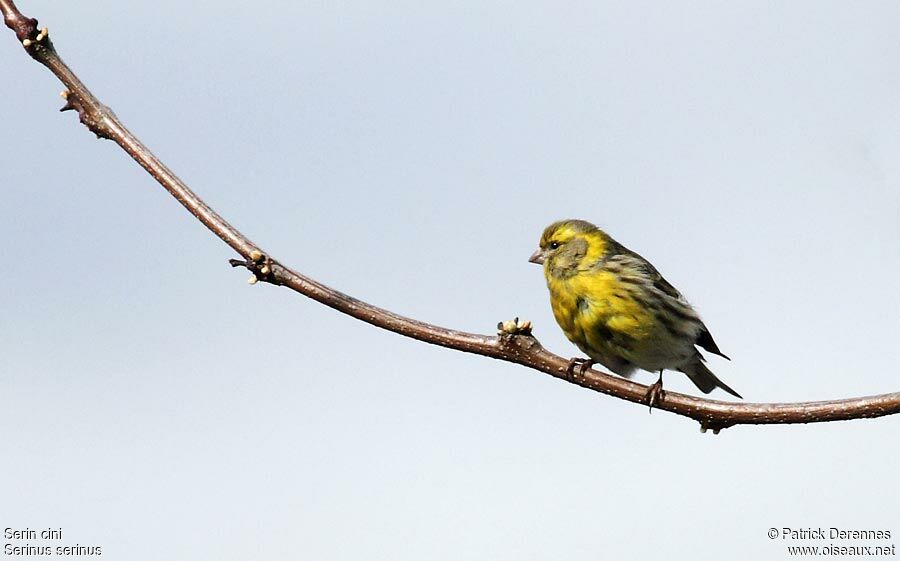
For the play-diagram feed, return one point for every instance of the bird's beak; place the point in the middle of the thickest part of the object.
(537, 257)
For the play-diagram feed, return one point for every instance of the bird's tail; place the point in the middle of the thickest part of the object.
(704, 379)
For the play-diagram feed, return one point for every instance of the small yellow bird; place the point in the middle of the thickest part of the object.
(617, 308)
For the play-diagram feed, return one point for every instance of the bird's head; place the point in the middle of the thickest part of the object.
(566, 245)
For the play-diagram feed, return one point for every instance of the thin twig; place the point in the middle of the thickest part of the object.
(514, 344)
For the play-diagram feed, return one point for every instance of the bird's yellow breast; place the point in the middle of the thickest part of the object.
(596, 311)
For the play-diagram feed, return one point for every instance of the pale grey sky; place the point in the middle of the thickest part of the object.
(410, 153)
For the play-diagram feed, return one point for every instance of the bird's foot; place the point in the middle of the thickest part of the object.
(581, 365)
(655, 394)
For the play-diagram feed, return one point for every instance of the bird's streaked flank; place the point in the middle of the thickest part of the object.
(617, 308)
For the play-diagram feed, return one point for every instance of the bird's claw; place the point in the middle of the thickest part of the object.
(582, 365)
(655, 394)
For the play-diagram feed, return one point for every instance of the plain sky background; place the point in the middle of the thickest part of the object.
(410, 153)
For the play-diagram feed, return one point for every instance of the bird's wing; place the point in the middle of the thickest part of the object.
(632, 262)
(706, 342)
(628, 260)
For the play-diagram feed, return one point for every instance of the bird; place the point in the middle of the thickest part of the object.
(619, 310)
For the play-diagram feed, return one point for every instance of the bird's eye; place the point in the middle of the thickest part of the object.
(554, 245)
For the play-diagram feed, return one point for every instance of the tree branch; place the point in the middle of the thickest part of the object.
(514, 342)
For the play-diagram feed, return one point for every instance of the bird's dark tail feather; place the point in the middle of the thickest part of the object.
(704, 379)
